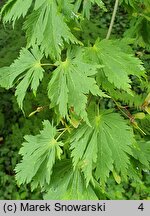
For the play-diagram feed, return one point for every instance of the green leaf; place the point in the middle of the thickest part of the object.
(132, 98)
(67, 8)
(144, 124)
(116, 177)
(129, 2)
(87, 5)
(85, 139)
(4, 74)
(70, 83)
(67, 184)
(117, 64)
(102, 147)
(39, 154)
(14, 9)
(26, 68)
(134, 173)
(46, 27)
(141, 152)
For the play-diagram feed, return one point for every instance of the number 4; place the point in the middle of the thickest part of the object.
(141, 207)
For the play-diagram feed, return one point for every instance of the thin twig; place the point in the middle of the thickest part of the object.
(112, 19)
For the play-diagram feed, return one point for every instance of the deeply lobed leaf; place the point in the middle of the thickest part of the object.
(46, 27)
(118, 65)
(104, 147)
(12, 10)
(67, 184)
(70, 83)
(39, 154)
(26, 68)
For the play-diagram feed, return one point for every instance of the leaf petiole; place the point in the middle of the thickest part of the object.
(48, 64)
(61, 134)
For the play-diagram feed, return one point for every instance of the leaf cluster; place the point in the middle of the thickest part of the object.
(85, 142)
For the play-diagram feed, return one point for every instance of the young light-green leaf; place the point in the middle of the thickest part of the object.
(26, 68)
(39, 154)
